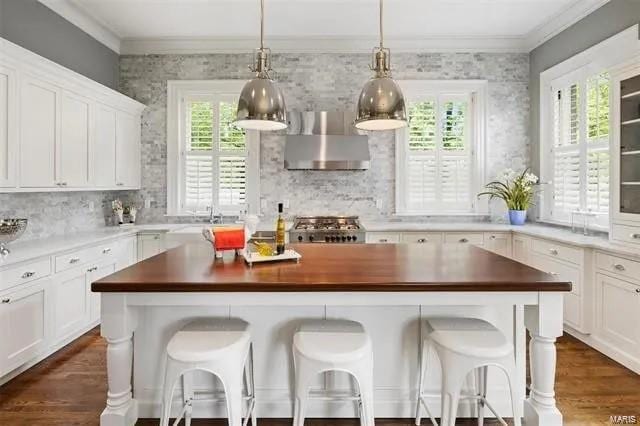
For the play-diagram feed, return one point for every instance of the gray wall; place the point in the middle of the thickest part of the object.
(35, 27)
(610, 19)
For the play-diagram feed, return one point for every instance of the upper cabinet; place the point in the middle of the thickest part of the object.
(626, 155)
(8, 126)
(60, 131)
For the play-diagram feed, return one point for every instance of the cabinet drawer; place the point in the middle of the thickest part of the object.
(383, 238)
(618, 265)
(25, 273)
(560, 270)
(558, 251)
(626, 234)
(421, 237)
(476, 238)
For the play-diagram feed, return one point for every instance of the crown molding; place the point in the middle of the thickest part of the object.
(574, 13)
(78, 17)
(328, 44)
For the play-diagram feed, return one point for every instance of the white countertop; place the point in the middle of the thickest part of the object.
(32, 249)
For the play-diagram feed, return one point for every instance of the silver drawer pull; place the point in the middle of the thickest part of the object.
(28, 274)
(156, 237)
(106, 250)
(422, 240)
(95, 268)
(120, 184)
(493, 237)
(555, 274)
(553, 252)
(383, 240)
(463, 240)
(74, 260)
(619, 267)
(7, 300)
(635, 236)
(637, 290)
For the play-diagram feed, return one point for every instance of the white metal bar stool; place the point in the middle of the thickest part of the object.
(333, 345)
(465, 345)
(221, 347)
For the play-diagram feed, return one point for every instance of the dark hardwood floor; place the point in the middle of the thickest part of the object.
(69, 388)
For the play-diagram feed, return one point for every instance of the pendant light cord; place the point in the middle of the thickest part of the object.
(261, 24)
(381, 29)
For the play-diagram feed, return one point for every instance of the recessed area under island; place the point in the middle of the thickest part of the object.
(387, 288)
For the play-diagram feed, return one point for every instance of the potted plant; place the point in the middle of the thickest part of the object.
(516, 189)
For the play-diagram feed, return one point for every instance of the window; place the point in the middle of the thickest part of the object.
(439, 153)
(579, 148)
(214, 165)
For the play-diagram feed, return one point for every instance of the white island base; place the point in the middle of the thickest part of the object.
(137, 327)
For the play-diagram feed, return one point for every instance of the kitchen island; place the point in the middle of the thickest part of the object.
(386, 287)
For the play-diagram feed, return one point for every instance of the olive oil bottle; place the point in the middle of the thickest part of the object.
(280, 231)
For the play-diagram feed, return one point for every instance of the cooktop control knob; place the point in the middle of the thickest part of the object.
(310, 238)
(300, 238)
(327, 239)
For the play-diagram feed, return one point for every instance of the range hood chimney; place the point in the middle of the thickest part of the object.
(325, 140)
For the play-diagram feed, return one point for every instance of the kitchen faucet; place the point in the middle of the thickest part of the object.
(214, 218)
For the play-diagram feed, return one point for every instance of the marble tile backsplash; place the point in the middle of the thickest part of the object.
(309, 82)
(329, 82)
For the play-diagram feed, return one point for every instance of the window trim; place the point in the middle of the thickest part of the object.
(607, 55)
(177, 91)
(477, 90)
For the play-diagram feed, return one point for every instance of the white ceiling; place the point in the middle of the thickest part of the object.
(163, 26)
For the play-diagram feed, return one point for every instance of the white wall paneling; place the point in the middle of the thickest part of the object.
(73, 133)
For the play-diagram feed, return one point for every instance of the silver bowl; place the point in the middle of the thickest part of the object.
(10, 230)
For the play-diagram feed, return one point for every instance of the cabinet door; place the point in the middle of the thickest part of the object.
(618, 313)
(104, 147)
(22, 325)
(499, 243)
(8, 117)
(95, 298)
(150, 245)
(521, 249)
(127, 150)
(72, 162)
(382, 238)
(70, 302)
(38, 133)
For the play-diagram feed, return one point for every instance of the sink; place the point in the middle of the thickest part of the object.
(197, 229)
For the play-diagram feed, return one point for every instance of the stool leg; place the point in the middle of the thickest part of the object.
(254, 418)
(449, 408)
(423, 368)
(363, 374)
(454, 371)
(233, 390)
(510, 371)
(187, 396)
(170, 377)
(481, 390)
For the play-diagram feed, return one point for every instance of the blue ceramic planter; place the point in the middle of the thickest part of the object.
(517, 217)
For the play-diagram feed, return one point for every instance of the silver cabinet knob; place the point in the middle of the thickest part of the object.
(463, 240)
(493, 237)
(619, 267)
(106, 250)
(156, 237)
(553, 252)
(637, 290)
(92, 269)
(7, 300)
(635, 236)
(28, 274)
(422, 240)
(74, 260)
(383, 240)
(120, 184)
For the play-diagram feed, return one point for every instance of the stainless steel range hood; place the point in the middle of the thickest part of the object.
(325, 140)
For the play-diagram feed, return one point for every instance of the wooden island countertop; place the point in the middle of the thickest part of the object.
(334, 267)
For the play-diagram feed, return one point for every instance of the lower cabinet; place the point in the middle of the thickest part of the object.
(71, 311)
(23, 325)
(150, 244)
(618, 314)
(498, 242)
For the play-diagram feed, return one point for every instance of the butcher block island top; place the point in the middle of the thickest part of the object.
(334, 267)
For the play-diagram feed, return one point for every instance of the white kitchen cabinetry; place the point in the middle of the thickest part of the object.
(383, 237)
(23, 325)
(95, 273)
(104, 147)
(72, 152)
(71, 310)
(521, 246)
(39, 134)
(618, 316)
(8, 126)
(73, 133)
(127, 150)
(150, 244)
(498, 242)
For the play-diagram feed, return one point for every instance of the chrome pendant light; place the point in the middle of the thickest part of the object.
(261, 105)
(381, 104)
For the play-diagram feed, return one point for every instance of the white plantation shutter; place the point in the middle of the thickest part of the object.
(215, 157)
(436, 157)
(580, 148)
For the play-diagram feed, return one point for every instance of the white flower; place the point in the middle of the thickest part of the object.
(530, 178)
(508, 174)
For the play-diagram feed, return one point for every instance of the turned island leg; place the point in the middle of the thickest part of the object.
(544, 322)
(118, 324)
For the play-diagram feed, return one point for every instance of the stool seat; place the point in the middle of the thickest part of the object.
(468, 336)
(332, 341)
